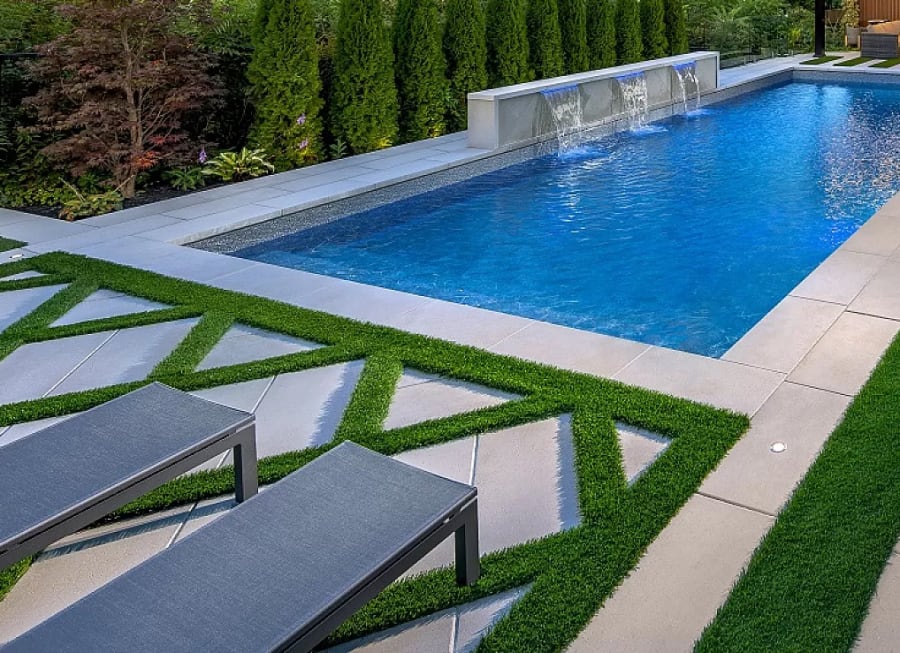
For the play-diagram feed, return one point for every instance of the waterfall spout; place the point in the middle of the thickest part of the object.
(565, 109)
(634, 94)
(688, 85)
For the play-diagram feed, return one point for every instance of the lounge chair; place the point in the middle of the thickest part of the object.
(880, 41)
(61, 479)
(280, 571)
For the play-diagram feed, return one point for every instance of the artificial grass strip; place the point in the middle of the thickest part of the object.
(854, 62)
(570, 573)
(819, 61)
(8, 244)
(887, 63)
(810, 582)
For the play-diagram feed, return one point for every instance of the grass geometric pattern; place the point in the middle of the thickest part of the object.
(570, 573)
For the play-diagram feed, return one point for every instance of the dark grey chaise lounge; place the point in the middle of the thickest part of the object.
(63, 478)
(280, 571)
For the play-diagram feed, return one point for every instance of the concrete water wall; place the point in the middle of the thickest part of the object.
(504, 117)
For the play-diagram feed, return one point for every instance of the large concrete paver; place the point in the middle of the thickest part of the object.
(881, 297)
(592, 353)
(273, 282)
(679, 583)
(129, 355)
(751, 474)
(106, 303)
(845, 357)
(242, 344)
(880, 632)
(639, 448)
(720, 383)
(880, 235)
(840, 277)
(16, 304)
(437, 398)
(783, 337)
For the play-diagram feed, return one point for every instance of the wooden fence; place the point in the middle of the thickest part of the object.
(878, 10)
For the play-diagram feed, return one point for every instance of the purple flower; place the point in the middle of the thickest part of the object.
(302, 145)
(202, 157)
(302, 119)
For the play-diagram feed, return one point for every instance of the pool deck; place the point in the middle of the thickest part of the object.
(794, 373)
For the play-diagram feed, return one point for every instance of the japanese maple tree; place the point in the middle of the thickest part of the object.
(118, 86)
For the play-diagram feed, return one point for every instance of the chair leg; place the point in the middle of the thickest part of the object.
(468, 564)
(246, 474)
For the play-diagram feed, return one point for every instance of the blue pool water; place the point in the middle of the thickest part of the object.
(684, 237)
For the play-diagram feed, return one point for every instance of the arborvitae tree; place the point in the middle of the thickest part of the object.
(653, 29)
(676, 27)
(602, 33)
(628, 32)
(465, 50)
(260, 22)
(364, 114)
(419, 69)
(507, 42)
(573, 27)
(544, 40)
(284, 74)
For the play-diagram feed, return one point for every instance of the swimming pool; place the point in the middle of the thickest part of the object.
(683, 237)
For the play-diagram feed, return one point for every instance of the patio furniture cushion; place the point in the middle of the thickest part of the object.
(65, 477)
(280, 571)
(878, 45)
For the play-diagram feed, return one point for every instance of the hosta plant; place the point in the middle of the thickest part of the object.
(236, 166)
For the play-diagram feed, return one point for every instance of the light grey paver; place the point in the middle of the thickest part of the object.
(30, 274)
(679, 583)
(130, 355)
(751, 474)
(716, 382)
(311, 180)
(185, 231)
(361, 302)
(228, 203)
(845, 357)
(105, 303)
(466, 325)
(881, 296)
(32, 370)
(8, 216)
(468, 625)
(592, 353)
(242, 344)
(79, 564)
(105, 234)
(303, 409)
(880, 234)
(840, 277)
(413, 403)
(880, 631)
(640, 449)
(783, 337)
(317, 194)
(273, 282)
(16, 304)
(37, 229)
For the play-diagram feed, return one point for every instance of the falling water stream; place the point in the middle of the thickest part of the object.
(634, 94)
(688, 85)
(565, 109)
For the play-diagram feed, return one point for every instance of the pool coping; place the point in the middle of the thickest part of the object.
(817, 343)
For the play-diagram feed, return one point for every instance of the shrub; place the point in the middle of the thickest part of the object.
(653, 29)
(237, 166)
(544, 39)
(628, 32)
(84, 205)
(284, 73)
(365, 98)
(465, 51)
(676, 26)
(419, 69)
(507, 42)
(573, 27)
(185, 178)
(119, 85)
(601, 33)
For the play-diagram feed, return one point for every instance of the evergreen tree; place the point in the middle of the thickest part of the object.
(602, 33)
(573, 27)
(364, 114)
(507, 42)
(284, 75)
(465, 50)
(419, 69)
(628, 32)
(653, 29)
(676, 27)
(544, 40)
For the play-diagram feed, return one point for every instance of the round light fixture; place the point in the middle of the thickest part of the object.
(777, 447)
(15, 256)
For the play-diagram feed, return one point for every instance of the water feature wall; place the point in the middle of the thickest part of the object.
(688, 85)
(565, 111)
(512, 116)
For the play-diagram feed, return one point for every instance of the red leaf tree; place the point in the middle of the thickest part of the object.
(118, 86)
